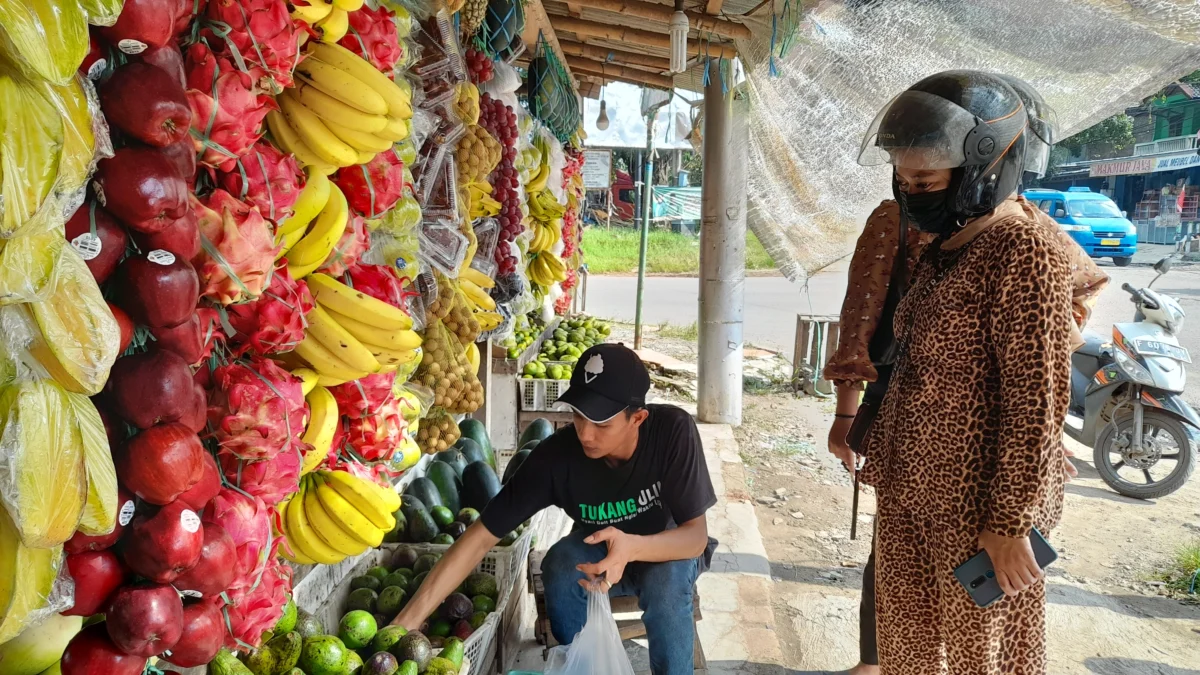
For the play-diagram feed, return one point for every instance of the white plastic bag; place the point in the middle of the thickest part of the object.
(597, 650)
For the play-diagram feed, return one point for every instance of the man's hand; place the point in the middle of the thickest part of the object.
(1012, 559)
(620, 553)
(837, 444)
(1070, 473)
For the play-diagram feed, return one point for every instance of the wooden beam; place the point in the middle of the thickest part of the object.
(592, 29)
(538, 21)
(574, 9)
(615, 72)
(657, 64)
(714, 7)
(663, 14)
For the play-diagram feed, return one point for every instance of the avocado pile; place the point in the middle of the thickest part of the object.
(565, 345)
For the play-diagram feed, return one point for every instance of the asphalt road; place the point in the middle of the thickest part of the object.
(772, 304)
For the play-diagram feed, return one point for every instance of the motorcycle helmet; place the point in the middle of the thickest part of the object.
(969, 121)
(1043, 126)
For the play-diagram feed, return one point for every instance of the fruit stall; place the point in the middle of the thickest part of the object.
(258, 262)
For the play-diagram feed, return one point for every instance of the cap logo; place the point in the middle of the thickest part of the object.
(593, 368)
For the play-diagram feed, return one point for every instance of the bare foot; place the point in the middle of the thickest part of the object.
(863, 669)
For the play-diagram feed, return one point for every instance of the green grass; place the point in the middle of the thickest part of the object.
(615, 251)
(690, 332)
(1183, 568)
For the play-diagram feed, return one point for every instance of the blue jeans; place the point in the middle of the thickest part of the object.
(663, 590)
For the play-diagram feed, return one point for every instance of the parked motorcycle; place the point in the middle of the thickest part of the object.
(1127, 392)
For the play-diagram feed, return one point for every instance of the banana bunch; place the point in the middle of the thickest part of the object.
(545, 235)
(543, 206)
(545, 269)
(308, 244)
(323, 418)
(335, 515)
(537, 183)
(342, 111)
(351, 334)
(330, 18)
(482, 204)
(475, 286)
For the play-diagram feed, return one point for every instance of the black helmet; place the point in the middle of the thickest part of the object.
(1043, 126)
(966, 120)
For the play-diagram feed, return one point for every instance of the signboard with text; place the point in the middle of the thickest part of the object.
(597, 169)
(1138, 165)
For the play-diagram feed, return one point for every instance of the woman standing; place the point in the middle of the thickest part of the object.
(966, 453)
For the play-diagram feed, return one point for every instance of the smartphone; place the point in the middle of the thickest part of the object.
(979, 578)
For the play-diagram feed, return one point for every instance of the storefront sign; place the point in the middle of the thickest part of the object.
(1122, 167)
(597, 169)
(1177, 162)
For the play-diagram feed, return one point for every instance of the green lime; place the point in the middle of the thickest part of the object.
(357, 629)
(442, 516)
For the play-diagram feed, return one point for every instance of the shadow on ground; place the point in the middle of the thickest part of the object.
(1134, 667)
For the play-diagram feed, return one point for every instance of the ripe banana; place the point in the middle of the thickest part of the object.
(399, 340)
(316, 136)
(478, 278)
(331, 109)
(399, 103)
(396, 129)
(339, 341)
(312, 199)
(366, 157)
(330, 369)
(308, 379)
(334, 27)
(311, 251)
(301, 536)
(289, 141)
(392, 357)
(538, 182)
(286, 240)
(367, 497)
(488, 320)
(344, 300)
(295, 556)
(342, 86)
(360, 526)
(391, 500)
(359, 140)
(326, 526)
(472, 354)
(312, 12)
(322, 426)
(475, 294)
(348, 5)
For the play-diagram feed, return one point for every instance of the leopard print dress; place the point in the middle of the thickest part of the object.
(969, 438)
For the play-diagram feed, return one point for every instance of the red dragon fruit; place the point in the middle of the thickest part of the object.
(373, 36)
(364, 396)
(248, 522)
(274, 322)
(263, 32)
(238, 249)
(354, 242)
(381, 282)
(228, 106)
(254, 610)
(257, 409)
(374, 437)
(271, 480)
(212, 336)
(268, 179)
(375, 187)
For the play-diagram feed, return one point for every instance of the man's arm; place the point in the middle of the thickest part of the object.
(682, 543)
(447, 575)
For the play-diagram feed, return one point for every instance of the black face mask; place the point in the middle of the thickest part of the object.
(927, 211)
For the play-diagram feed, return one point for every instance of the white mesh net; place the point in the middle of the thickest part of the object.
(807, 195)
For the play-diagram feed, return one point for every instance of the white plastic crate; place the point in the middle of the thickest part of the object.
(506, 557)
(539, 395)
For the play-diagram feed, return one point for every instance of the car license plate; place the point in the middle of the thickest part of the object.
(1110, 242)
(1156, 348)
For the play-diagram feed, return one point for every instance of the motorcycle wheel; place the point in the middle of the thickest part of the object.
(1165, 441)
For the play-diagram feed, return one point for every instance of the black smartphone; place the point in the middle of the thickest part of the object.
(979, 578)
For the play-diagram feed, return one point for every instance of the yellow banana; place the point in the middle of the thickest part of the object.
(363, 496)
(308, 379)
(331, 109)
(399, 340)
(475, 294)
(339, 341)
(316, 136)
(359, 524)
(473, 356)
(286, 240)
(342, 86)
(478, 278)
(396, 129)
(322, 426)
(392, 357)
(334, 26)
(399, 103)
(287, 139)
(488, 320)
(312, 12)
(326, 526)
(348, 5)
(311, 251)
(312, 199)
(366, 157)
(359, 140)
(391, 500)
(328, 366)
(295, 556)
(301, 536)
(538, 182)
(344, 300)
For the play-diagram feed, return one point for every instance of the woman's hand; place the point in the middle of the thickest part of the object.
(1013, 561)
(837, 443)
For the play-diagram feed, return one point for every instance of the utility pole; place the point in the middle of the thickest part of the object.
(647, 208)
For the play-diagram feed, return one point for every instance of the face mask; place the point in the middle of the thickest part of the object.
(927, 211)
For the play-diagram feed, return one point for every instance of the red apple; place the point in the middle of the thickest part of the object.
(142, 24)
(102, 250)
(183, 156)
(199, 495)
(145, 619)
(180, 237)
(203, 634)
(142, 187)
(147, 103)
(217, 567)
(92, 652)
(162, 544)
(125, 324)
(94, 63)
(169, 58)
(158, 289)
(80, 542)
(150, 388)
(97, 575)
(184, 340)
(161, 463)
(197, 416)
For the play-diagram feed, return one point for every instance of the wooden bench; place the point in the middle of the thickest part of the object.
(629, 628)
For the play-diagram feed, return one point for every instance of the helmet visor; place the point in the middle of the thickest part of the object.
(1037, 155)
(917, 130)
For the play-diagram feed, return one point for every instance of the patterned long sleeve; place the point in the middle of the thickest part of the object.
(1087, 279)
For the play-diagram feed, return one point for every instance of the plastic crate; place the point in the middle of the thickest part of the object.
(505, 559)
(539, 395)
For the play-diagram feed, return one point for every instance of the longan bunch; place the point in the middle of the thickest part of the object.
(445, 370)
(461, 320)
(437, 432)
(441, 306)
(476, 154)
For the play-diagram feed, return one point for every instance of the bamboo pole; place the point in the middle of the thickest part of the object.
(592, 29)
(662, 13)
(582, 65)
(656, 63)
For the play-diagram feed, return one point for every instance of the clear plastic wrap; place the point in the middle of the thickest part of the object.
(443, 246)
(46, 39)
(102, 12)
(445, 370)
(29, 266)
(34, 583)
(31, 146)
(597, 650)
(505, 80)
(100, 511)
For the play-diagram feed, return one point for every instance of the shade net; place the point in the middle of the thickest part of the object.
(814, 91)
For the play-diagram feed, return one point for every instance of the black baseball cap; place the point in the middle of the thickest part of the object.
(608, 378)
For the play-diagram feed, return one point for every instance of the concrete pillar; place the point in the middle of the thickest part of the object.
(722, 257)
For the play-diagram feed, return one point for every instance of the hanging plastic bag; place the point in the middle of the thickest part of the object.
(597, 649)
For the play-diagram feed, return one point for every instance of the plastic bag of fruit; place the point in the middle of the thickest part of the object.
(46, 39)
(460, 320)
(445, 370)
(437, 431)
(41, 586)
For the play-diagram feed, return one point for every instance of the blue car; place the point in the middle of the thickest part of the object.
(1092, 219)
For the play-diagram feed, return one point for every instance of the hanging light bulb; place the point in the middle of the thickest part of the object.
(602, 118)
(679, 33)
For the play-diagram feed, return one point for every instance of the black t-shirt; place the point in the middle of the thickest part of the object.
(665, 482)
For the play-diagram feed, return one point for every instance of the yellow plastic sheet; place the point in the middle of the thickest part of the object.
(100, 511)
(46, 39)
(31, 145)
(27, 575)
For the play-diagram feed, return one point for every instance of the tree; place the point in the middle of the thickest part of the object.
(1116, 130)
